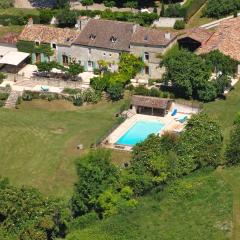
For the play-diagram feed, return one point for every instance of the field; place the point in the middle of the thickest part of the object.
(38, 141)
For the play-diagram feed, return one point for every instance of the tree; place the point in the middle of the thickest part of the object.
(87, 3)
(232, 154)
(62, 4)
(66, 18)
(201, 141)
(96, 174)
(131, 4)
(188, 73)
(109, 3)
(221, 63)
(220, 8)
(162, 13)
(28, 214)
(130, 64)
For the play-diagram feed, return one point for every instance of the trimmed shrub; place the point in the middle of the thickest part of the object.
(179, 24)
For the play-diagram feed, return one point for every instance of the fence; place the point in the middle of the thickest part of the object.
(191, 104)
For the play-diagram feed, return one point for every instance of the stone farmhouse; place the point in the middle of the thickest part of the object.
(226, 39)
(97, 39)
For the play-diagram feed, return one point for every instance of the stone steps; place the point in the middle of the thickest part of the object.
(12, 99)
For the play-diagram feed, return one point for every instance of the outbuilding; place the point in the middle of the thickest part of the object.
(151, 105)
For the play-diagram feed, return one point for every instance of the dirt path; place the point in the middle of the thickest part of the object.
(22, 4)
(234, 183)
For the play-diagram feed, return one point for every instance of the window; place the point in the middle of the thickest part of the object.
(146, 70)
(65, 59)
(110, 54)
(145, 38)
(146, 56)
(92, 36)
(89, 51)
(113, 39)
(104, 54)
(54, 46)
(37, 43)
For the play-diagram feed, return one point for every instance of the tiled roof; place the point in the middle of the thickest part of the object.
(148, 36)
(46, 34)
(106, 34)
(226, 39)
(199, 34)
(9, 38)
(151, 102)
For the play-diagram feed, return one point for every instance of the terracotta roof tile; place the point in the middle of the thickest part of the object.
(106, 34)
(226, 39)
(46, 34)
(9, 38)
(148, 36)
(199, 34)
(151, 102)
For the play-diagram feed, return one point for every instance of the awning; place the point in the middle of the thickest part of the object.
(4, 50)
(14, 58)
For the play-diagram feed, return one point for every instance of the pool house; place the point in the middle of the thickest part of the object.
(151, 105)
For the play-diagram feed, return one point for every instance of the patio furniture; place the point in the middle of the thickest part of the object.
(174, 112)
(183, 119)
(44, 88)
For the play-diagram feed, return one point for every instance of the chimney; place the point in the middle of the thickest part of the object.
(82, 22)
(30, 21)
(167, 36)
(135, 26)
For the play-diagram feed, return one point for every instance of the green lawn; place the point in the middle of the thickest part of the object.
(38, 141)
(199, 207)
(198, 20)
(225, 110)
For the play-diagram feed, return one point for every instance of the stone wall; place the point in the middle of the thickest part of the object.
(85, 54)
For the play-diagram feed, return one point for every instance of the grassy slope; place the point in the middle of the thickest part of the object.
(38, 144)
(201, 210)
(198, 20)
(225, 110)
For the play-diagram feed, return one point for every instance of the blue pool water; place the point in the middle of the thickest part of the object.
(139, 132)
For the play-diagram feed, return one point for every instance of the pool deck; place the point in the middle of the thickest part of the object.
(170, 124)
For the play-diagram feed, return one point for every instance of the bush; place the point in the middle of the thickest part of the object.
(2, 103)
(78, 100)
(232, 154)
(179, 24)
(115, 91)
(4, 96)
(141, 90)
(96, 174)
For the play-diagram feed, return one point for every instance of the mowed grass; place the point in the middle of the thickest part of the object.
(196, 207)
(38, 141)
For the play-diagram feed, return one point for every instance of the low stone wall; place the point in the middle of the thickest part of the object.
(52, 82)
